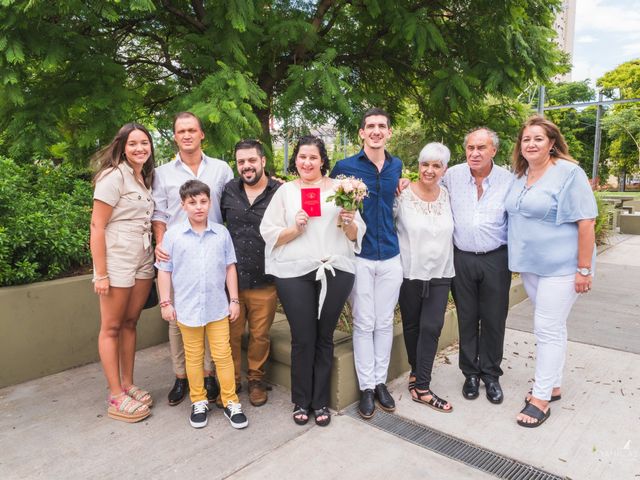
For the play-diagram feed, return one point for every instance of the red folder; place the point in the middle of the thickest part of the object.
(311, 201)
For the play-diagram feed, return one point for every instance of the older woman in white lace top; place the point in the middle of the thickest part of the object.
(425, 231)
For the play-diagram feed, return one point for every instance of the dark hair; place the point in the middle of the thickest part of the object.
(248, 143)
(495, 140)
(559, 148)
(182, 115)
(316, 142)
(113, 154)
(374, 111)
(193, 188)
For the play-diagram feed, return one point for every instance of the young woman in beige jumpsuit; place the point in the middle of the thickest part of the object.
(123, 261)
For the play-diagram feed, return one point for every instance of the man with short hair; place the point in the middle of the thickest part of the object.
(190, 163)
(378, 267)
(244, 201)
(481, 285)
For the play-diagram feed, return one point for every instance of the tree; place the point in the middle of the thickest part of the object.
(577, 126)
(72, 71)
(622, 122)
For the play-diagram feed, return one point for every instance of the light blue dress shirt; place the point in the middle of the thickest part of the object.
(168, 179)
(480, 225)
(198, 265)
(543, 233)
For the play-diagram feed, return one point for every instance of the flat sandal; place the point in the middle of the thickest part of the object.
(322, 412)
(435, 402)
(299, 411)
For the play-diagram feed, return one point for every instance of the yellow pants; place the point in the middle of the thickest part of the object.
(218, 335)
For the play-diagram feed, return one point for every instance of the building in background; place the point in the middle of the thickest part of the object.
(565, 27)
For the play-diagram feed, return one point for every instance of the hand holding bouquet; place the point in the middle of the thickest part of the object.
(349, 194)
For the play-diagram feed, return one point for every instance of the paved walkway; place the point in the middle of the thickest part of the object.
(56, 427)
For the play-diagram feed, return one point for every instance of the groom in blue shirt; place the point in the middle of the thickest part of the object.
(378, 267)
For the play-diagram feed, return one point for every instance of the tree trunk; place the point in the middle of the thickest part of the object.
(264, 115)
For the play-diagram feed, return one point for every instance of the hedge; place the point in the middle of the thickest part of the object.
(45, 211)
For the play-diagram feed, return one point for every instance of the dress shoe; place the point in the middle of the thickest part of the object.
(257, 393)
(212, 387)
(384, 398)
(178, 392)
(471, 387)
(367, 405)
(494, 391)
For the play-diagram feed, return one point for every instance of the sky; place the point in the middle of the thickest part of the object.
(607, 33)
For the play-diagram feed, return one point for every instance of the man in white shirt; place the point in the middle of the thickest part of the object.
(481, 285)
(190, 163)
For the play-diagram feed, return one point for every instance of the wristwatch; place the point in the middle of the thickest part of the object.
(584, 271)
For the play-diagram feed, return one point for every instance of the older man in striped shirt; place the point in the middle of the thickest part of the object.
(481, 285)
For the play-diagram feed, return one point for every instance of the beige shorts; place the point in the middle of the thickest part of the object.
(129, 254)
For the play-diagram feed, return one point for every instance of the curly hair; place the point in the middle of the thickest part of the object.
(316, 142)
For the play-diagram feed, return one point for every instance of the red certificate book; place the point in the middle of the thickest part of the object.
(311, 201)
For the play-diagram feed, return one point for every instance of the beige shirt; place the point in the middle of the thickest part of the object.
(131, 201)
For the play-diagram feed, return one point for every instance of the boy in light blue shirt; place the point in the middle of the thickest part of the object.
(201, 262)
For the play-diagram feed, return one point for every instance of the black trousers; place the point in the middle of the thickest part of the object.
(481, 293)
(312, 337)
(422, 306)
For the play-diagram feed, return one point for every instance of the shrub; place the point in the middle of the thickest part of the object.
(44, 221)
(603, 224)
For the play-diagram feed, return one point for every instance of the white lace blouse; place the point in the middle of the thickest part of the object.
(425, 232)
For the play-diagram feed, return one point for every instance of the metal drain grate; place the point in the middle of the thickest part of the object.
(452, 447)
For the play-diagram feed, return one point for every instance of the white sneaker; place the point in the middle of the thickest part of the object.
(199, 410)
(233, 411)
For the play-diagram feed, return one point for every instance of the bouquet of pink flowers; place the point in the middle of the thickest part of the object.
(349, 194)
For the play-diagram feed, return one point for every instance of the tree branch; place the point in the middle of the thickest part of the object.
(193, 22)
(198, 7)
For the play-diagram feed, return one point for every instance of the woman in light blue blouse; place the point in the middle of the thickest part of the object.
(552, 213)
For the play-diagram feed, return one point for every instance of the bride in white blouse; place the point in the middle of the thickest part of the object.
(425, 231)
(312, 260)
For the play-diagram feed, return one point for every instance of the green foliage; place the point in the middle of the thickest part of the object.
(44, 219)
(578, 127)
(503, 115)
(622, 122)
(603, 225)
(72, 72)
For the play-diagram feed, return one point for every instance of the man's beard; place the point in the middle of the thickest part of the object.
(257, 175)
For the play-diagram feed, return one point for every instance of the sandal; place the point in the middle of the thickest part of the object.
(412, 381)
(322, 412)
(140, 395)
(127, 409)
(554, 398)
(300, 415)
(534, 412)
(434, 402)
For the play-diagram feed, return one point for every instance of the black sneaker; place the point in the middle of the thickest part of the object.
(199, 410)
(233, 411)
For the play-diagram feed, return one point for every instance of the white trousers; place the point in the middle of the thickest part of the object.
(552, 298)
(373, 301)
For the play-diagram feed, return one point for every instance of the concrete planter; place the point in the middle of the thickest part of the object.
(344, 384)
(49, 327)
